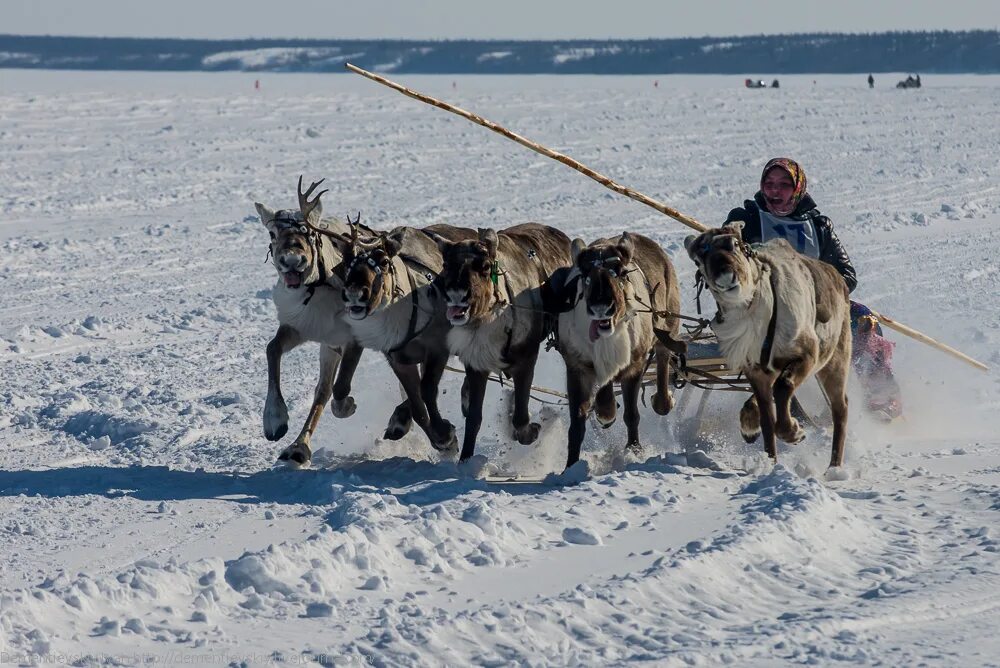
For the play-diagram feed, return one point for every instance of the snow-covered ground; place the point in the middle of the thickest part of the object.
(140, 517)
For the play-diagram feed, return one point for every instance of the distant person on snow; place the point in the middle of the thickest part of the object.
(783, 209)
(871, 81)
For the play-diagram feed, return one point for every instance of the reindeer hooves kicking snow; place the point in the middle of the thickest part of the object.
(750, 424)
(527, 434)
(298, 453)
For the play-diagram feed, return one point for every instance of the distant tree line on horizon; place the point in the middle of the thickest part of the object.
(940, 52)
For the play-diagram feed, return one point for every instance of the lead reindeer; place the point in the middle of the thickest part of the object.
(492, 288)
(618, 290)
(309, 306)
(782, 317)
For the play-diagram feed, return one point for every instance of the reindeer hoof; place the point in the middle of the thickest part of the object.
(634, 448)
(606, 422)
(663, 406)
(448, 444)
(750, 421)
(399, 423)
(275, 433)
(527, 434)
(275, 421)
(343, 408)
(394, 433)
(298, 453)
(793, 434)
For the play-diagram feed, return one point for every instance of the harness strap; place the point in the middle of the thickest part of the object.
(505, 353)
(317, 244)
(765, 351)
(411, 330)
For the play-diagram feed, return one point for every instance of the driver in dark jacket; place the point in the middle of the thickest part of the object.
(783, 209)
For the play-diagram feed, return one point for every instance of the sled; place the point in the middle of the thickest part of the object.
(703, 367)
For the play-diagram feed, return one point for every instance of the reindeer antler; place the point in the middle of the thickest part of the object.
(306, 206)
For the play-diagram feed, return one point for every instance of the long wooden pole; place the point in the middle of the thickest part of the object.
(923, 338)
(628, 192)
(538, 148)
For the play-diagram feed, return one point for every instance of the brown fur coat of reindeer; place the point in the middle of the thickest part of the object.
(606, 330)
(492, 292)
(782, 317)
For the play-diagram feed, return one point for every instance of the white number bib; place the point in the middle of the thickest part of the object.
(801, 234)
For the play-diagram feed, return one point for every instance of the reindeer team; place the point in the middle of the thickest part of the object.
(493, 297)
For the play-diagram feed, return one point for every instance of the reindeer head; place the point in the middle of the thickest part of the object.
(725, 262)
(294, 247)
(468, 278)
(603, 290)
(369, 280)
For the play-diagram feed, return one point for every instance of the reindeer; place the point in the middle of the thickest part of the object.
(390, 306)
(782, 317)
(492, 290)
(609, 303)
(309, 306)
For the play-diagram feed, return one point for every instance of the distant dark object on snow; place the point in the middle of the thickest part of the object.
(909, 82)
(759, 83)
(871, 81)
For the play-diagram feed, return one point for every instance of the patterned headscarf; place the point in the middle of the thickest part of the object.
(794, 170)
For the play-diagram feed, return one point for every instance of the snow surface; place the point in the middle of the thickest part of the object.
(141, 519)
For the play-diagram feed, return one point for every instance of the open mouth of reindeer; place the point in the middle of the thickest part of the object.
(458, 314)
(292, 279)
(600, 328)
(357, 311)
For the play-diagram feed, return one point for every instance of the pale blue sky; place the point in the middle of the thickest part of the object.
(503, 19)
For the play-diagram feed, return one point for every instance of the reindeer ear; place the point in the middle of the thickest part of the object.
(735, 226)
(489, 238)
(626, 248)
(341, 241)
(266, 214)
(442, 243)
(393, 242)
(576, 248)
(689, 242)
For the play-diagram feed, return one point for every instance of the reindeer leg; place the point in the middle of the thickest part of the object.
(786, 427)
(409, 377)
(475, 385)
(833, 377)
(663, 398)
(275, 410)
(465, 394)
(606, 406)
(430, 379)
(525, 431)
(630, 399)
(762, 384)
(299, 451)
(579, 385)
(401, 419)
(343, 404)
